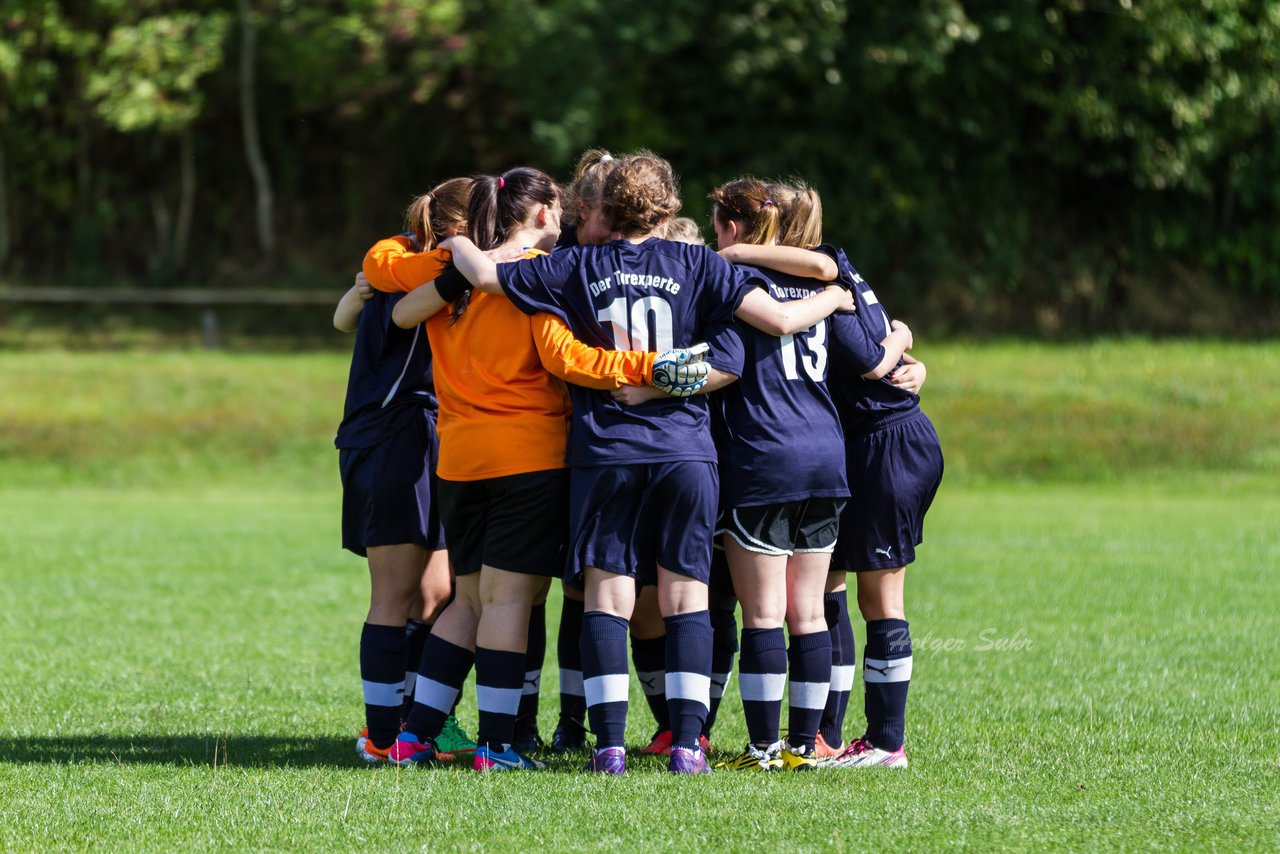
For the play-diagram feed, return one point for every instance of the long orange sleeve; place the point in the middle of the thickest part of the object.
(393, 267)
(593, 367)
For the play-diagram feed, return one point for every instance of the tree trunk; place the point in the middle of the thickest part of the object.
(187, 199)
(249, 125)
(4, 210)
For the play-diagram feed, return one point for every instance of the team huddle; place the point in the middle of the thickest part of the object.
(564, 382)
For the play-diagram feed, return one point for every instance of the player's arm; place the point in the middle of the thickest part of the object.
(425, 301)
(479, 268)
(895, 344)
(786, 259)
(633, 395)
(787, 318)
(347, 315)
(391, 265)
(911, 376)
(593, 367)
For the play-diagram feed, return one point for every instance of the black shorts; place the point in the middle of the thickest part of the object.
(389, 490)
(783, 529)
(519, 523)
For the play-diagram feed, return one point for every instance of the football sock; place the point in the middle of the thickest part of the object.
(605, 679)
(415, 638)
(536, 652)
(688, 679)
(886, 675)
(724, 646)
(573, 703)
(809, 659)
(441, 674)
(382, 675)
(649, 656)
(762, 677)
(499, 678)
(843, 662)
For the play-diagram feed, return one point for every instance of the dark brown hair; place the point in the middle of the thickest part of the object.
(640, 193)
(747, 202)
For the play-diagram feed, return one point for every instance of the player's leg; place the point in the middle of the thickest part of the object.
(723, 604)
(526, 736)
(809, 655)
(394, 575)
(610, 599)
(843, 660)
(570, 732)
(433, 596)
(649, 655)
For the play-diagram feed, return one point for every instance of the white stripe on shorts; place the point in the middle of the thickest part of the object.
(502, 701)
(739, 530)
(809, 695)
(383, 693)
(689, 686)
(435, 694)
(842, 676)
(878, 671)
(761, 687)
(609, 688)
(571, 682)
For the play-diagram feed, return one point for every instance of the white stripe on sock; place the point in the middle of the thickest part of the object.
(436, 695)
(878, 671)
(609, 688)
(571, 682)
(842, 676)
(761, 687)
(652, 682)
(383, 693)
(502, 701)
(532, 682)
(809, 695)
(410, 682)
(689, 686)
(719, 682)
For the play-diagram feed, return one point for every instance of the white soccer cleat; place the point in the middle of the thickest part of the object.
(863, 754)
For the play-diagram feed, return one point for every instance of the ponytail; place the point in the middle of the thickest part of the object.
(747, 202)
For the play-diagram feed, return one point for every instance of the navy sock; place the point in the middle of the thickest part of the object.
(724, 646)
(650, 658)
(536, 652)
(809, 659)
(605, 679)
(886, 675)
(573, 702)
(762, 677)
(843, 662)
(382, 675)
(441, 674)
(499, 678)
(415, 638)
(688, 677)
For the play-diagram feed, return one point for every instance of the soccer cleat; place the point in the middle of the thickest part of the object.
(754, 758)
(607, 760)
(373, 754)
(798, 758)
(704, 741)
(825, 753)
(526, 739)
(686, 761)
(863, 754)
(360, 740)
(453, 740)
(659, 745)
(488, 759)
(408, 750)
(569, 737)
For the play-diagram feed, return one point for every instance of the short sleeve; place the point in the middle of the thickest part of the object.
(852, 347)
(725, 288)
(535, 284)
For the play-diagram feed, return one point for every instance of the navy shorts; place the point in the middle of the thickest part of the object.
(894, 472)
(389, 490)
(518, 522)
(808, 525)
(632, 519)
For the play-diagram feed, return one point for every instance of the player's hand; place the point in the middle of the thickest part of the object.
(846, 298)
(910, 377)
(899, 326)
(630, 395)
(502, 256)
(364, 290)
(682, 371)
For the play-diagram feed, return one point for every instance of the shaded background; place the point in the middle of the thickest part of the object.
(1045, 167)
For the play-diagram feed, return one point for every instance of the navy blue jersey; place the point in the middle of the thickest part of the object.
(785, 442)
(652, 295)
(855, 349)
(390, 380)
(568, 236)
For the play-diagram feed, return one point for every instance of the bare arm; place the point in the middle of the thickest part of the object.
(787, 318)
(479, 268)
(911, 376)
(785, 259)
(895, 344)
(347, 316)
(417, 306)
(632, 395)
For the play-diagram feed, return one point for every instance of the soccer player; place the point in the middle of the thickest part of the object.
(502, 482)
(895, 466)
(387, 451)
(643, 484)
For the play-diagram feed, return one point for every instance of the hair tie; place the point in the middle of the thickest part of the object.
(766, 202)
(501, 183)
(606, 158)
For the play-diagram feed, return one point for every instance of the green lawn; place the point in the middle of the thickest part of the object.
(1094, 614)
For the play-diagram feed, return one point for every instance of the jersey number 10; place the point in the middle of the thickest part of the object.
(646, 326)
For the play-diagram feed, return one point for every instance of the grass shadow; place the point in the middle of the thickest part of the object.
(244, 751)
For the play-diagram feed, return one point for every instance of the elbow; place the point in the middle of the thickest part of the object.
(402, 319)
(826, 269)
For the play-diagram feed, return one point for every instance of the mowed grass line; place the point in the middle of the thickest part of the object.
(1094, 670)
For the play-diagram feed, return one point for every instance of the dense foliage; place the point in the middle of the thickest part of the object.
(1051, 166)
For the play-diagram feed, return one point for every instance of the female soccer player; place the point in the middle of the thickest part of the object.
(643, 485)
(387, 451)
(895, 466)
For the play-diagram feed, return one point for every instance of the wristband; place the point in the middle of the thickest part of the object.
(451, 284)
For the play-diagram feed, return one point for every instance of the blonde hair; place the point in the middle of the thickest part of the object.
(593, 167)
(801, 223)
(430, 215)
(640, 193)
(747, 201)
(685, 230)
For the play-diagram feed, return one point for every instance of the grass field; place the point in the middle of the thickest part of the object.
(1094, 616)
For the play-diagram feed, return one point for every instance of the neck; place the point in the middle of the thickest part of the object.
(524, 238)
